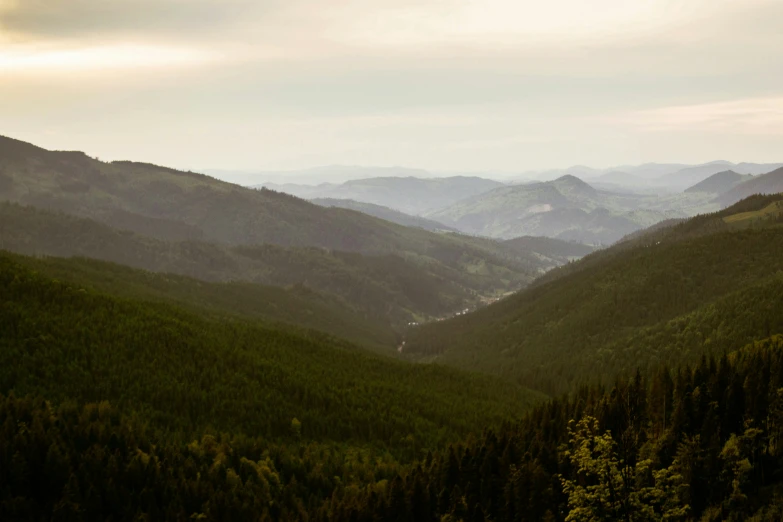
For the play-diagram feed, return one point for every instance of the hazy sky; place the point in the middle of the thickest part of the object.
(461, 85)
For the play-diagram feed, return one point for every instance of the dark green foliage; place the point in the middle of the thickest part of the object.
(699, 443)
(185, 373)
(90, 463)
(702, 441)
(670, 300)
(295, 305)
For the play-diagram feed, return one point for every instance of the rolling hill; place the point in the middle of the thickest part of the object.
(566, 208)
(720, 182)
(706, 285)
(770, 183)
(294, 306)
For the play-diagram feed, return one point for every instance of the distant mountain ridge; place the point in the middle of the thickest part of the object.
(566, 208)
(411, 195)
(660, 176)
(386, 213)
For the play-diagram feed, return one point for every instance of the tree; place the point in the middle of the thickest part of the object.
(606, 489)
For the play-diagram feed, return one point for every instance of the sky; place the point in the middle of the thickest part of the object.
(444, 85)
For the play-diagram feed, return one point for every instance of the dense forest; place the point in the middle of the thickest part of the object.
(696, 443)
(184, 372)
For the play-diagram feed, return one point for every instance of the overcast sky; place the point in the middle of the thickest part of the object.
(458, 85)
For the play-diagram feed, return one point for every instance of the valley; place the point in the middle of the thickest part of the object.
(376, 261)
(245, 353)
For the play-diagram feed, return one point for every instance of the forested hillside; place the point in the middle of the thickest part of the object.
(295, 305)
(386, 287)
(159, 376)
(672, 296)
(695, 443)
(185, 372)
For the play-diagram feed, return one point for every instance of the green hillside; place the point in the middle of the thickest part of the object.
(386, 287)
(294, 306)
(696, 443)
(699, 291)
(185, 372)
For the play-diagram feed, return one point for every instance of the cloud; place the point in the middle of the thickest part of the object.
(65, 19)
(506, 83)
(760, 116)
(25, 59)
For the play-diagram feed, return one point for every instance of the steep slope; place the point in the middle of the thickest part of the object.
(185, 372)
(636, 305)
(770, 183)
(172, 205)
(296, 305)
(385, 213)
(411, 195)
(719, 183)
(566, 208)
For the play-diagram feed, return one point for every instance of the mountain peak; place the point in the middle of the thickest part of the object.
(573, 183)
(719, 183)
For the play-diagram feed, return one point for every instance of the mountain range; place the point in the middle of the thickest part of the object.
(410, 195)
(566, 208)
(174, 347)
(166, 220)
